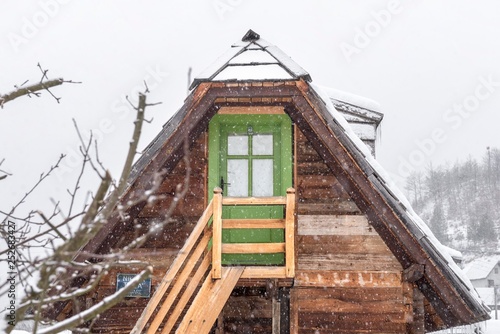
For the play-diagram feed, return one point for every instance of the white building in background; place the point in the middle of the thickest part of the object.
(484, 272)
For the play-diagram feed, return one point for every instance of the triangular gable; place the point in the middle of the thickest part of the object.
(409, 239)
(252, 59)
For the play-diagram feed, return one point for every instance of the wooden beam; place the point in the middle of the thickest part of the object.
(253, 223)
(347, 279)
(258, 110)
(277, 200)
(418, 324)
(294, 311)
(276, 315)
(209, 302)
(413, 273)
(217, 234)
(290, 233)
(263, 272)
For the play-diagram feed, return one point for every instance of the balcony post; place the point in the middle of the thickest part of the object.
(217, 234)
(290, 233)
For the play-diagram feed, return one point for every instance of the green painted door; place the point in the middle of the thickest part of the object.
(251, 156)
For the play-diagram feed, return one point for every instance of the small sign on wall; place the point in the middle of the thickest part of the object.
(142, 290)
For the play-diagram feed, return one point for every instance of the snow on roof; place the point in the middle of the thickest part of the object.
(360, 101)
(424, 231)
(455, 254)
(487, 295)
(252, 59)
(482, 267)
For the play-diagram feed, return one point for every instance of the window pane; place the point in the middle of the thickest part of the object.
(262, 177)
(237, 145)
(262, 145)
(237, 177)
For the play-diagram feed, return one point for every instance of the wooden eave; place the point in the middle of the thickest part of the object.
(440, 285)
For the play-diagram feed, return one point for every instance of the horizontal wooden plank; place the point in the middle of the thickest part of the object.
(332, 207)
(264, 272)
(253, 223)
(351, 323)
(342, 244)
(334, 225)
(191, 204)
(258, 110)
(348, 300)
(278, 200)
(351, 279)
(356, 262)
(252, 248)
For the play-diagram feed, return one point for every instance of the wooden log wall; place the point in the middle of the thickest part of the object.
(160, 249)
(347, 280)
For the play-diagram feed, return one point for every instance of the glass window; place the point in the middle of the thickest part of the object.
(262, 177)
(237, 177)
(237, 145)
(262, 145)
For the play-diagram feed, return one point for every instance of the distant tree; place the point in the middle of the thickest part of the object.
(487, 231)
(466, 193)
(439, 225)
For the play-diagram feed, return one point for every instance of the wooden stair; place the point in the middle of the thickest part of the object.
(169, 310)
(209, 302)
(189, 269)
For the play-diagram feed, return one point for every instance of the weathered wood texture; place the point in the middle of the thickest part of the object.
(347, 280)
(351, 310)
(318, 190)
(247, 311)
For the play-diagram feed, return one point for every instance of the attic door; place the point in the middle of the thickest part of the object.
(251, 156)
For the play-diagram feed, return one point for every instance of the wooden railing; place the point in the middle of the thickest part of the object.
(286, 247)
(186, 264)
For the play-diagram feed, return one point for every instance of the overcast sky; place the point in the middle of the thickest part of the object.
(432, 66)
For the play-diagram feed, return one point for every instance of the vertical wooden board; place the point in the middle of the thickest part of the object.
(294, 311)
(290, 233)
(418, 324)
(217, 234)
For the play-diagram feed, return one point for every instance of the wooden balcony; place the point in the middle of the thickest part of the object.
(286, 247)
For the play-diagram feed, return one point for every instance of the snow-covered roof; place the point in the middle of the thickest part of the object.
(360, 105)
(487, 295)
(252, 59)
(481, 268)
(420, 230)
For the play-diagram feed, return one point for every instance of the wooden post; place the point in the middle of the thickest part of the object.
(217, 234)
(290, 233)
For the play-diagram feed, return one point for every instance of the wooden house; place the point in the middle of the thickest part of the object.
(288, 225)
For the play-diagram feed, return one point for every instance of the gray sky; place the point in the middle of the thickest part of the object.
(433, 67)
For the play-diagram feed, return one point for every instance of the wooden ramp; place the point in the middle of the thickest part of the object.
(209, 302)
